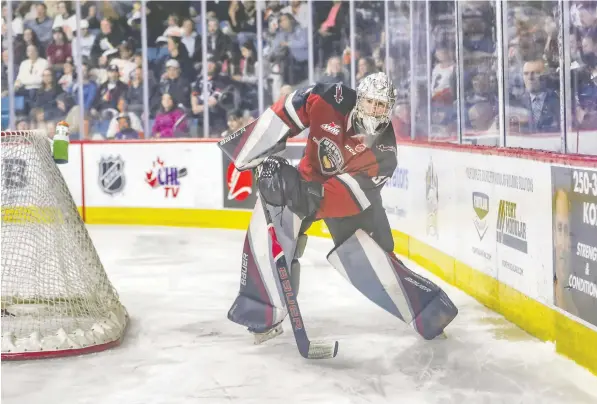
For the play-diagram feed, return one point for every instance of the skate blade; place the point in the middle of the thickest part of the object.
(441, 336)
(260, 338)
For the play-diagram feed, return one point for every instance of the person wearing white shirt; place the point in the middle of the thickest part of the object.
(31, 70)
(299, 10)
(65, 20)
(87, 41)
(16, 25)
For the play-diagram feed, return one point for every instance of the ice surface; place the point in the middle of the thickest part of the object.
(178, 284)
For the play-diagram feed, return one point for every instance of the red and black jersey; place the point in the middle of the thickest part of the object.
(352, 174)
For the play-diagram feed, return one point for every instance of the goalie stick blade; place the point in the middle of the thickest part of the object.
(322, 350)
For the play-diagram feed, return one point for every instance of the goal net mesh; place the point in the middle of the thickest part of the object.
(56, 298)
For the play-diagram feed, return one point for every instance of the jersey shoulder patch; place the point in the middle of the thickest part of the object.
(340, 97)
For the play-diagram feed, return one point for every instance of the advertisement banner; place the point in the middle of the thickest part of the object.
(503, 234)
(240, 187)
(478, 207)
(574, 219)
(152, 175)
(424, 197)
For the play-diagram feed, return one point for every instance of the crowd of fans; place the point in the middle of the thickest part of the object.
(45, 35)
(532, 74)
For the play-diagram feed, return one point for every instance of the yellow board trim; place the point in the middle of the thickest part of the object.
(571, 339)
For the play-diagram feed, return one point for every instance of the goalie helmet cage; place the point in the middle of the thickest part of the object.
(56, 299)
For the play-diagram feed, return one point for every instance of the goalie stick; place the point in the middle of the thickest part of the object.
(308, 349)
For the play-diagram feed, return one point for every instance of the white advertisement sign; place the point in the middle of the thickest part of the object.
(157, 175)
(503, 202)
(419, 198)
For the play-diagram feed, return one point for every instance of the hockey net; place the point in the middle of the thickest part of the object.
(56, 299)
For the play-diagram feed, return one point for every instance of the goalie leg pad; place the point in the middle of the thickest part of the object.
(384, 280)
(260, 303)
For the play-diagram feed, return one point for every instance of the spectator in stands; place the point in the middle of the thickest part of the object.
(242, 17)
(87, 40)
(124, 130)
(170, 121)
(589, 54)
(38, 120)
(174, 84)
(542, 104)
(66, 80)
(299, 10)
(247, 66)
(482, 117)
(5, 63)
(110, 93)
(65, 19)
(177, 51)
(245, 75)
(192, 41)
(134, 95)
(235, 122)
(41, 25)
(17, 24)
(366, 66)
(22, 123)
(45, 97)
(89, 11)
(30, 71)
(69, 111)
(124, 59)
(219, 45)
(401, 117)
(443, 76)
(334, 72)
(173, 28)
(290, 50)
(587, 17)
(217, 86)
(59, 50)
(107, 39)
(330, 31)
(50, 128)
(481, 90)
(20, 45)
(585, 112)
(476, 30)
(90, 89)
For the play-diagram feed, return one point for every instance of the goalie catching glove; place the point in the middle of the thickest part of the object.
(280, 184)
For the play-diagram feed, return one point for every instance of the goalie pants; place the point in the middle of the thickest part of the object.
(374, 221)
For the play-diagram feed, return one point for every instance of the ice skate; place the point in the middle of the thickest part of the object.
(261, 337)
(441, 336)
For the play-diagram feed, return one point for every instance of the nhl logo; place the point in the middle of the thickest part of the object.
(111, 174)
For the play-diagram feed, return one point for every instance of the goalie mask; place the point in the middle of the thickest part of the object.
(376, 96)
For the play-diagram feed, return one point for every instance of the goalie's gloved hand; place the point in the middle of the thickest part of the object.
(280, 184)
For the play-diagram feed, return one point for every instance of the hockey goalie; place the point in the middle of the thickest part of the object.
(350, 153)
